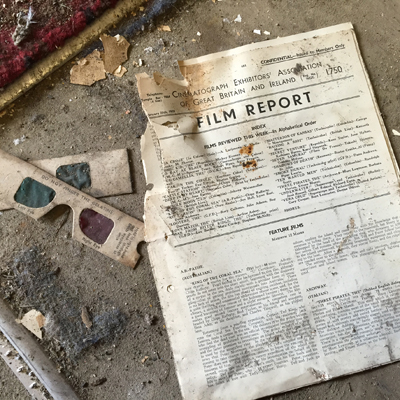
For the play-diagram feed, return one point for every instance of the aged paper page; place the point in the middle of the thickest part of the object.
(274, 219)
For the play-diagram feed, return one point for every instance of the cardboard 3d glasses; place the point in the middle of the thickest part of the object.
(95, 224)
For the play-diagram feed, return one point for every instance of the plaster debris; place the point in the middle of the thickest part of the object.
(198, 34)
(267, 33)
(37, 285)
(164, 28)
(19, 140)
(86, 318)
(238, 19)
(120, 71)
(395, 133)
(115, 51)
(23, 26)
(148, 50)
(88, 70)
(257, 31)
(149, 319)
(33, 321)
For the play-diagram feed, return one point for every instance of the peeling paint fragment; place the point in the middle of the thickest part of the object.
(115, 51)
(88, 70)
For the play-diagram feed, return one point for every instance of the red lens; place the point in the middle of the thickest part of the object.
(95, 226)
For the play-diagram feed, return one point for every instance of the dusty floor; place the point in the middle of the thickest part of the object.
(59, 119)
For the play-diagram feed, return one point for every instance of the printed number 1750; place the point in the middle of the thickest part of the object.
(334, 70)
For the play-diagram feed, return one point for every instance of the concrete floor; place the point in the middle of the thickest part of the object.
(59, 119)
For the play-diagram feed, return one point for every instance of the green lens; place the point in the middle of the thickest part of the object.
(34, 194)
(76, 175)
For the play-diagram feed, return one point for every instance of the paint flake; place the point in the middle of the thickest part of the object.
(164, 28)
(115, 51)
(33, 321)
(88, 70)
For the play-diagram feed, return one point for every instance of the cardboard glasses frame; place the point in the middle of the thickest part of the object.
(95, 224)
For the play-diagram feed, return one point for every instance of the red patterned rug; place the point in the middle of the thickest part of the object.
(30, 29)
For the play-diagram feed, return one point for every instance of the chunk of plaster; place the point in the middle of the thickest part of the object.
(120, 71)
(33, 321)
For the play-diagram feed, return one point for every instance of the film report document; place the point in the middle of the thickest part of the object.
(273, 221)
